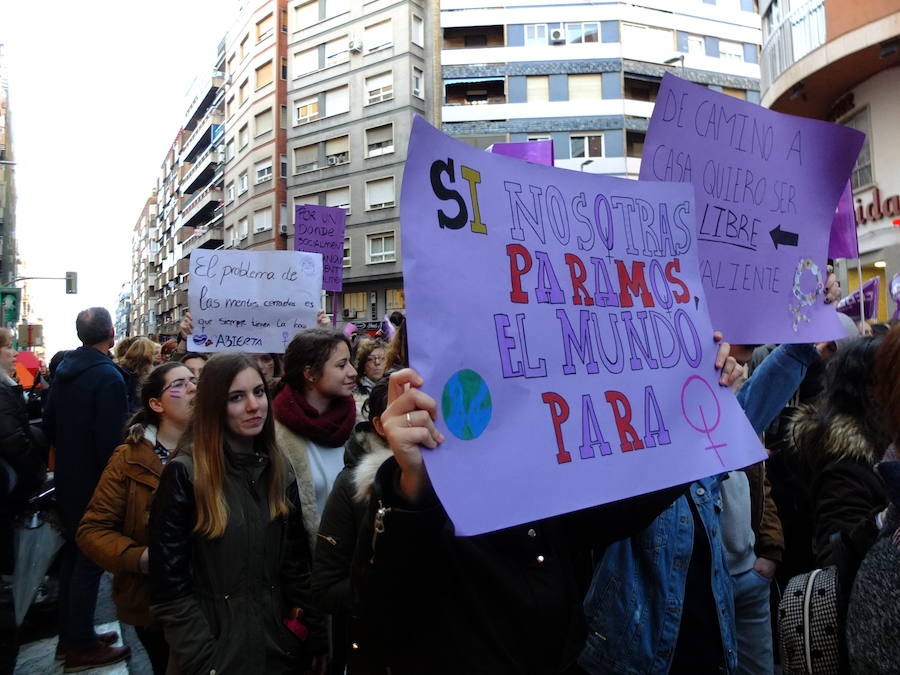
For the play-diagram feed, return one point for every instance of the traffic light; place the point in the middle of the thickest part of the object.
(71, 282)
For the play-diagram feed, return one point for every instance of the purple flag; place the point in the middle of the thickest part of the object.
(536, 152)
(843, 243)
(320, 229)
(571, 369)
(766, 186)
(895, 294)
(849, 304)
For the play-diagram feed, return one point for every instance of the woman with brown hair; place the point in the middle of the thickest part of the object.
(113, 531)
(315, 414)
(370, 358)
(229, 556)
(137, 363)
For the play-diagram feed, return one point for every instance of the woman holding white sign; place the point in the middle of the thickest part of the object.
(315, 414)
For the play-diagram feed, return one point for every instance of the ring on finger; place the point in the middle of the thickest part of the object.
(408, 420)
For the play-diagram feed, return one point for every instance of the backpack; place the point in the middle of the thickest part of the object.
(808, 624)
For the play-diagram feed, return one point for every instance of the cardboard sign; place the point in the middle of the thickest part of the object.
(252, 301)
(570, 353)
(320, 229)
(766, 185)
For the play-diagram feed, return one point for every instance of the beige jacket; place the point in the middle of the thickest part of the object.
(294, 447)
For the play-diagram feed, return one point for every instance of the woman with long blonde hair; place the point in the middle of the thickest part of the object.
(229, 558)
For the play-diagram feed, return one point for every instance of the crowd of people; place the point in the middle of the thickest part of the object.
(269, 513)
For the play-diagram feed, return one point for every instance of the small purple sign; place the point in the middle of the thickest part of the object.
(536, 152)
(843, 243)
(849, 304)
(895, 294)
(766, 185)
(573, 363)
(320, 229)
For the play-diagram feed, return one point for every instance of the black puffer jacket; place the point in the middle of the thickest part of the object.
(222, 602)
(502, 603)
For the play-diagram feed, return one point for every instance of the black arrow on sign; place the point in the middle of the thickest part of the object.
(783, 237)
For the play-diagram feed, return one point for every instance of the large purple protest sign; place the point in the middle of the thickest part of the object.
(895, 294)
(849, 304)
(766, 188)
(571, 357)
(536, 152)
(320, 229)
(842, 242)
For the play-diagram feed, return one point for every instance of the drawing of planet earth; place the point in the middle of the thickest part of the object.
(466, 404)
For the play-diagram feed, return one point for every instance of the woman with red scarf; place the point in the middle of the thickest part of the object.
(315, 414)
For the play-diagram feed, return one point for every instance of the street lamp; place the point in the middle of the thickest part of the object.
(676, 59)
(585, 163)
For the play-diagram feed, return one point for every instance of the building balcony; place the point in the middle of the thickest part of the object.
(546, 109)
(198, 207)
(202, 170)
(208, 236)
(183, 266)
(207, 130)
(203, 93)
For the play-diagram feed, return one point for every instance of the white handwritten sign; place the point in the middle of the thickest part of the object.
(253, 301)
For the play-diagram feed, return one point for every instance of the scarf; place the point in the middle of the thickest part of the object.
(329, 429)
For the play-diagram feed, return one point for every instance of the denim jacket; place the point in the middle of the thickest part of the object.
(633, 607)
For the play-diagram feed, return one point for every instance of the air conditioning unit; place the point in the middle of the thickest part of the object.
(333, 160)
(349, 313)
(355, 45)
(283, 228)
(557, 35)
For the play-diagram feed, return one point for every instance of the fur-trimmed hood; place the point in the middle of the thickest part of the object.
(365, 470)
(843, 437)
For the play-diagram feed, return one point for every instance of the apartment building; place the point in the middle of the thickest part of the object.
(356, 75)
(7, 184)
(586, 74)
(144, 247)
(839, 60)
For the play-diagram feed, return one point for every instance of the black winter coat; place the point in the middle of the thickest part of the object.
(222, 602)
(506, 602)
(85, 419)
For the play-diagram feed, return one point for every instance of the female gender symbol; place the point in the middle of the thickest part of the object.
(804, 299)
(697, 400)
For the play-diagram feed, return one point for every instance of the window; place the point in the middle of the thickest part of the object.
(263, 171)
(229, 108)
(243, 185)
(355, 304)
(230, 66)
(265, 27)
(696, 45)
(229, 192)
(306, 110)
(243, 47)
(229, 150)
(589, 145)
(537, 88)
(337, 51)
(284, 20)
(380, 248)
(379, 87)
(585, 87)
(243, 137)
(339, 197)
(380, 193)
(262, 219)
(335, 7)
(284, 117)
(731, 51)
(347, 252)
(242, 228)
(263, 122)
(307, 14)
(737, 93)
(418, 31)
(538, 137)
(396, 299)
(283, 67)
(242, 92)
(284, 166)
(862, 170)
(577, 33)
(337, 100)
(380, 140)
(337, 151)
(264, 75)
(535, 34)
(418, 82)
(637, 35)
(306, 158)
(306, 61)
(378, 36)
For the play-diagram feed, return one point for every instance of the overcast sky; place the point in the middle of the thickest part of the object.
(97, 94)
